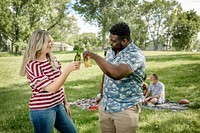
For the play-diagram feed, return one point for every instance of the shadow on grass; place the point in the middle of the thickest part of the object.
(170, 122)
(85, 120)
(14, 110)
(166, 58)
(79, 89)
(181, 81)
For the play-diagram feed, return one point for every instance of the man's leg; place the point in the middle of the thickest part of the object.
(105, 121)
(146, 100)
(154, 100)
(127, 121)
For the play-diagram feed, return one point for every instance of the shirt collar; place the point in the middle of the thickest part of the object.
(124, 50)
(156, 83)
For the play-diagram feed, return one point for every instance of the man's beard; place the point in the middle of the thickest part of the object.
(118, 49)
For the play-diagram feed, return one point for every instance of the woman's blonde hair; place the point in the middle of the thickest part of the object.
(37, 42)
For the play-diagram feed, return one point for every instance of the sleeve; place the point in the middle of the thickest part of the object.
(59, 65)
(38, 80)
(150, 88)
(133, 60)
(162, 89)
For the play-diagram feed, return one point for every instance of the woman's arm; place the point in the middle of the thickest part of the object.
(66, 105)
(55, 86)
(65, 99)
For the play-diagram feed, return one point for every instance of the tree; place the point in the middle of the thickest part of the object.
(98, 12)
(185, 29)
(195, 43)
(150, 21)
(86, 39)
(3, 43)
(65, 30)
(19, 18)
(131, 13)
(159, 16)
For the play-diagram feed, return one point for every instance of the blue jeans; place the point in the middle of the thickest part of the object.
(44, 121)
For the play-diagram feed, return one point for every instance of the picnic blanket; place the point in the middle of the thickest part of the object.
(173, 106)
(91, 104)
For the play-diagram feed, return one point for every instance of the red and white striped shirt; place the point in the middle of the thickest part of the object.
(40, 75)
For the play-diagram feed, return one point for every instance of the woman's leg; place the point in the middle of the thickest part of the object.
(64, 123)
(43, 120)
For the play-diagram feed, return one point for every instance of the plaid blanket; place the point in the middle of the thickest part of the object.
(91, 104)
(173, 106)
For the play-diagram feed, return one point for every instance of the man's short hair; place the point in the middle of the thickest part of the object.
(155, 76)
(122, 30)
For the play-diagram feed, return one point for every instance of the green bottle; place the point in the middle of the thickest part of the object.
(78, 56)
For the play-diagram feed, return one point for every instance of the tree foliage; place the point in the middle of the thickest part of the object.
(19, 17)
(160, 16)
(186, 29)
(99, 12)
(86, 40)
(150, 21)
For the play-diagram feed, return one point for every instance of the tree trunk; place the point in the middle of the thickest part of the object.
(16, 38)
(16, 49)
(103, 39)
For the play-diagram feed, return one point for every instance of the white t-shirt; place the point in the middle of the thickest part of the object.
(158, 89)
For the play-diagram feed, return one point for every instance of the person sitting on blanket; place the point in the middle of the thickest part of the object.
(145, 85)
(157, 89)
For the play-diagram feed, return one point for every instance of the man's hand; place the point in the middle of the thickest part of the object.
(158, 96)
(99, 99)
(88, 53)
(67, 109)
(115, 72)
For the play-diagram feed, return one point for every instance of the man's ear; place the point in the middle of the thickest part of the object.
(124, 42)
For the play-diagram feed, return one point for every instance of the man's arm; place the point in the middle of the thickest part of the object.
(101, 85)
(116, 72)
(148, 93)
(101, 90)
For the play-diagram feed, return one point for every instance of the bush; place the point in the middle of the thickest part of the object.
(77, 47)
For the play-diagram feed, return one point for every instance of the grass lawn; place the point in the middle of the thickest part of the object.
(179, 71)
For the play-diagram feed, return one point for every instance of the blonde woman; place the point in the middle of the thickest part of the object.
(48, 103)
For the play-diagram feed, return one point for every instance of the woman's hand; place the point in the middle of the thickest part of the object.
(67, 109)
(74, 65)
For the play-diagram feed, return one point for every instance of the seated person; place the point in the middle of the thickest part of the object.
(157, 89)
(145, 86)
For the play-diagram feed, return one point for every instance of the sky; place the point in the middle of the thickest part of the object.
(86, 27)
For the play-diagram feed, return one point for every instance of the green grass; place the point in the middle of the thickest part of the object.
(179, 71)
